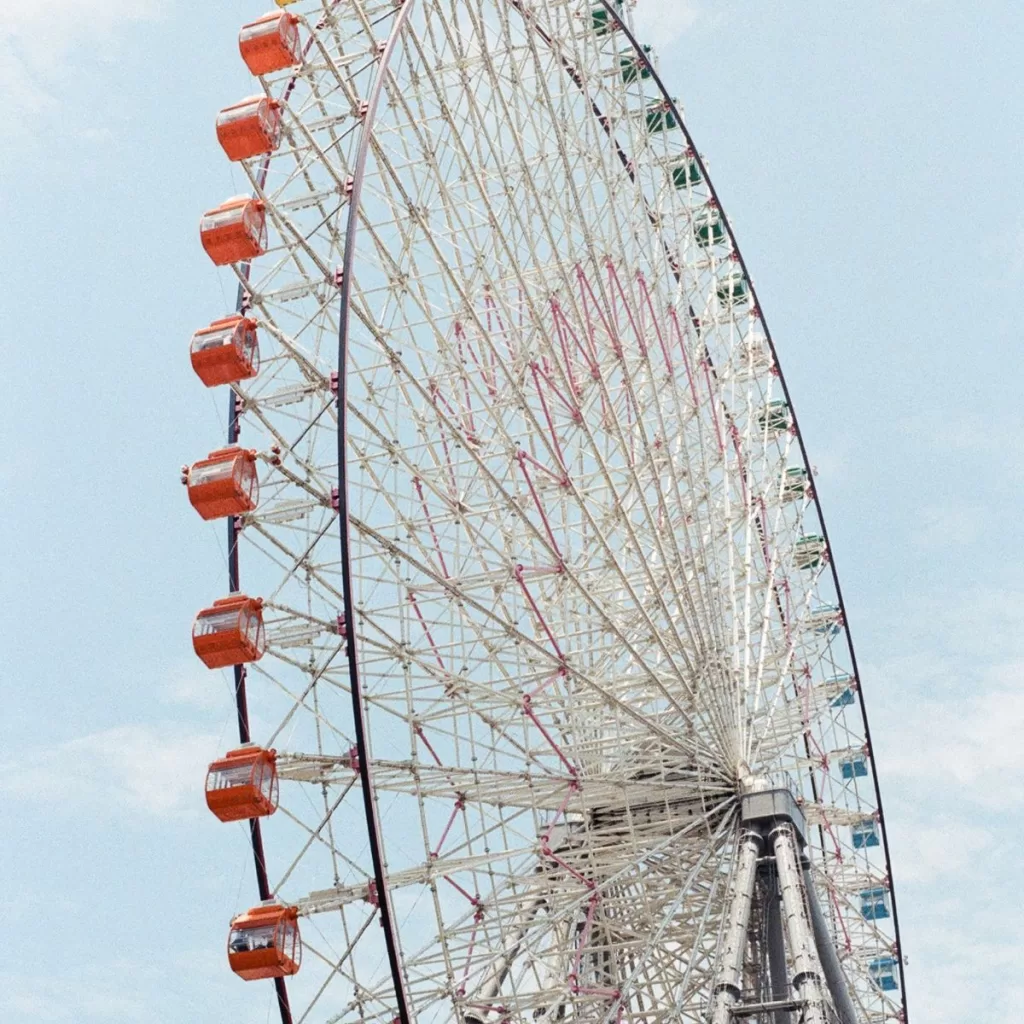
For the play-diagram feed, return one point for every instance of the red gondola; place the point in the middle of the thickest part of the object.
(264, 942)
(234, 231)
(243, 784)
(226, 351)
(225, 484)
(250, 127)
(270, 43)
(230, 632)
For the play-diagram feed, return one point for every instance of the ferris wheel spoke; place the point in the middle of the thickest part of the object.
(327, 901)
(315, 835)
(338, 968)
(298, 702)
(336, 965)
(519, 917)
(506, 627)
(529, 928)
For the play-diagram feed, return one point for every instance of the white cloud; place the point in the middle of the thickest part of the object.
(972, 742)
(42, 47)
(967, 636)
(967, 943)
(157, 769)
(44, 33)
(947, 714)
(171, 983)
(953, 979)
(931, 849)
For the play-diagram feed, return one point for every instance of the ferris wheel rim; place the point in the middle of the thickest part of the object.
(359, 710)
(239, 674)
(347, 276)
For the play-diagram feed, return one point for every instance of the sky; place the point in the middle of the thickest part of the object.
(869, 158)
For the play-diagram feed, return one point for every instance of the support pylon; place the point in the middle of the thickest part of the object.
(796, 977)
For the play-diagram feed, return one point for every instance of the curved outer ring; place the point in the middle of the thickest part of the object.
(387, 917)
(241, 699)
(365, 769)
(608, 5)
(234, 585)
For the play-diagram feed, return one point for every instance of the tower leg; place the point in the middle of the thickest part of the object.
(776, 943)
(807, 975)
(729, 983)
(834, 976)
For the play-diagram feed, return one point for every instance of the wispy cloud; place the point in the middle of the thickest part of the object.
(957, 979)
(46, 999)
(936, 850)
(44, 46)
(965, 947)
(955, 692)
(956, 523)
(964, 431)
(153, 768)
(947, 712)
(112, 991)
(974, 742)
(44, 34)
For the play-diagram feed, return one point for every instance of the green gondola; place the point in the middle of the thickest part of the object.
(686, 172)
(795, 483)
(636, 67)
(708, 228)
(809, 551)
(774, 417)
(660, 118)
(601, 20)
(733, 288)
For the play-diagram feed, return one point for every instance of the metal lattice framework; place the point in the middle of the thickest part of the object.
(567, 589)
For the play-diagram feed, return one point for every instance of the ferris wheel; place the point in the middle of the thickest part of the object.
(546, 701)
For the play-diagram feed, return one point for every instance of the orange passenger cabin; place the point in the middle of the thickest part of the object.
(243, 784)
(230, 633)
(264, 942)
(270, 43)
(249, 128)
(225, 484)
(234, 231)
(227, 351)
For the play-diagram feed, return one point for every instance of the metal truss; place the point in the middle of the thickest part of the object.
(583, 593)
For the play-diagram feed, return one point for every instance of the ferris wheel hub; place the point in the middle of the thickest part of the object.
(765, 810)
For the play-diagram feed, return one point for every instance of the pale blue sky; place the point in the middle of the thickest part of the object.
(869, 156)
